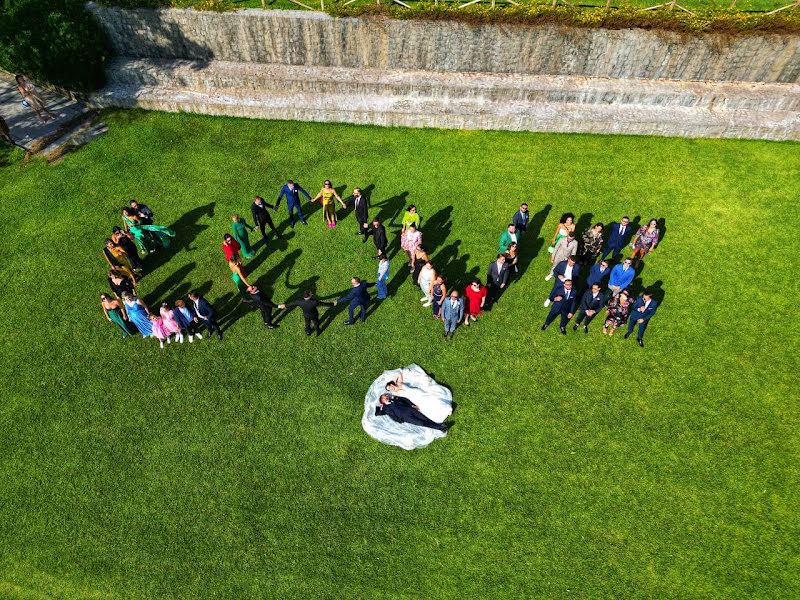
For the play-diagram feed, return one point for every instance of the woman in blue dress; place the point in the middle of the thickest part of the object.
(138, 314)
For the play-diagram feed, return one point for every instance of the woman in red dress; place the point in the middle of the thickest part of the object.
(476, 298)
(231, 247)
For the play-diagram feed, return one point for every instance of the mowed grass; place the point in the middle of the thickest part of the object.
(581, 467)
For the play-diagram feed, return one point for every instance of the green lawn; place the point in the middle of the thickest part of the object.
(580, 467)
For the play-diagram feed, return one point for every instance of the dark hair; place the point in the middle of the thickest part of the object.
(103, 296)
(127, 211)
(327, 182)
(652, 221)
(647, 293)
(572, 257)
(412, 225)
(116, 229)
(626, 217)
(376, 220)
(567, 281)
(18, 77)
(133, 200)
(193, 295)
(571, 234)
(108, 241)
(357, 279)
(227, 237)
(410, 206)
(308, 294)
(478, 281)
(499, 255)
(510, 225)
(596, 283)
(259, 198)
(290, 181)
(600, 225)
(523, 204)
(566, 216)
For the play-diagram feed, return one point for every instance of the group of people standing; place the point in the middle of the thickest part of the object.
(606, 288)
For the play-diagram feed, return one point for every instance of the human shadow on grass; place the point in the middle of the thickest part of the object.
(265, 250)
(453, 268)
(662, 229)
(436, 230)
(388, 211)
(170, 286)
(186, 229)
(331, 315)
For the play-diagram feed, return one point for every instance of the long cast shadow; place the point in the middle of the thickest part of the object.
(186, 229)
(531, 243)
(178, 277)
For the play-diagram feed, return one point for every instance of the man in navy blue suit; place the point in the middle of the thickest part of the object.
(598, 273)
(591, 304)
(566, 269)
(358, 296)
(618, 236)
(563, 298)
(292, 192)
(643, 310)
(204, 313)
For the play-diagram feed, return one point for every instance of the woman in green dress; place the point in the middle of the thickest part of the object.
(115, 313)
(239, 275)
(240, 228)
(147, 237)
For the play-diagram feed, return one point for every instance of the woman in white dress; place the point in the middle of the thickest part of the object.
(425, 281)
(427, 404)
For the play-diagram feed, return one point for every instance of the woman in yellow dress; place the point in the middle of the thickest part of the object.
(327, 194)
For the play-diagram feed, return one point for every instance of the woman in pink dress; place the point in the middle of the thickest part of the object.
(159, 330)
(170, 323)
(410, 240)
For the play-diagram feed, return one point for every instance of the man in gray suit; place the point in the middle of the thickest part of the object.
(452, 313)
(566, 247)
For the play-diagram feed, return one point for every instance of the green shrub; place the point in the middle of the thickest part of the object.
(52, 41)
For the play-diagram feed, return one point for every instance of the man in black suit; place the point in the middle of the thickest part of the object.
(204, 314)
(358, 296)
(361, 211)
(563, 298)
(143, 212)
(591, 304)
(496, 279)
(265, 305)
(378, 232)
(521, 218)
(402, 410)
(309, 306)
(261, 217)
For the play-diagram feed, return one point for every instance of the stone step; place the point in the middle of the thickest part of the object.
(465, 113)
(80, 132)
(253, 79)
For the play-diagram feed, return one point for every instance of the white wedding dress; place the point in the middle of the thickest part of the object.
(433, 400)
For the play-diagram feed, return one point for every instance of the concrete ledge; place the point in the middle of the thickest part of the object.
(458, 100)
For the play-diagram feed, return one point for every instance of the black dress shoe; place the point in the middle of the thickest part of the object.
(627, 335)
(563, 331)
(585, 329)
(309, 333)
(444, 335)
(349, 322)
(574, 328)
(641, 343)
(544, 327)
(272, 326)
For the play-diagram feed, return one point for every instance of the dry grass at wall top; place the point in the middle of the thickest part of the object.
(746, 16)
(578, 466)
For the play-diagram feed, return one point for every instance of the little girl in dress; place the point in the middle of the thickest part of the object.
(171, 324)
(159, 330)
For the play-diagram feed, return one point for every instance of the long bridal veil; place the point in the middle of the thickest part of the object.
(434, 400)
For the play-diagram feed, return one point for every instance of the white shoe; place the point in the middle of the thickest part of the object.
(191, 339)
(549, 277)
(169, 340)
(199, 337)
(180, 339)
(427, 304)
(423, 299)
(547, 303)
(162, 344)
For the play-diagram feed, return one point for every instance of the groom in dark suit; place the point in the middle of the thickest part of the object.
(402, 410)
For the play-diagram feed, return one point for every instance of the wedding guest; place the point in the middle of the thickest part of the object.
(185, 318)
(326, 196)
(410, 217)
(118, 259)
(591, 244)
(143, 212)
(171, 324)
(383, 278)
(598, 273)
(358, 296)
(115, 313)
(452, 313)
(438, 293)
(239, 228)
(506, 238)
(361, 211)
(138, 314)
(204, 314)
(265, 305)
(121, 283)
(618, 236)
(496, 279)
(32, 99)
(642, 311)
(567, 269)
(565, 247)
(420, 259)
(378, 232)
(125, 241)
(563, 298)
(566, 225)
(239, 276)
(309, 305)
(410, 240)
(512, 257)
(159, 330)
(292, 192)
(230, 247)
(617, 312)
(262, 219)
(521, 218)
(645, 240)
(475, 296)
(621, 277)
(591, 304)
(425, 281)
